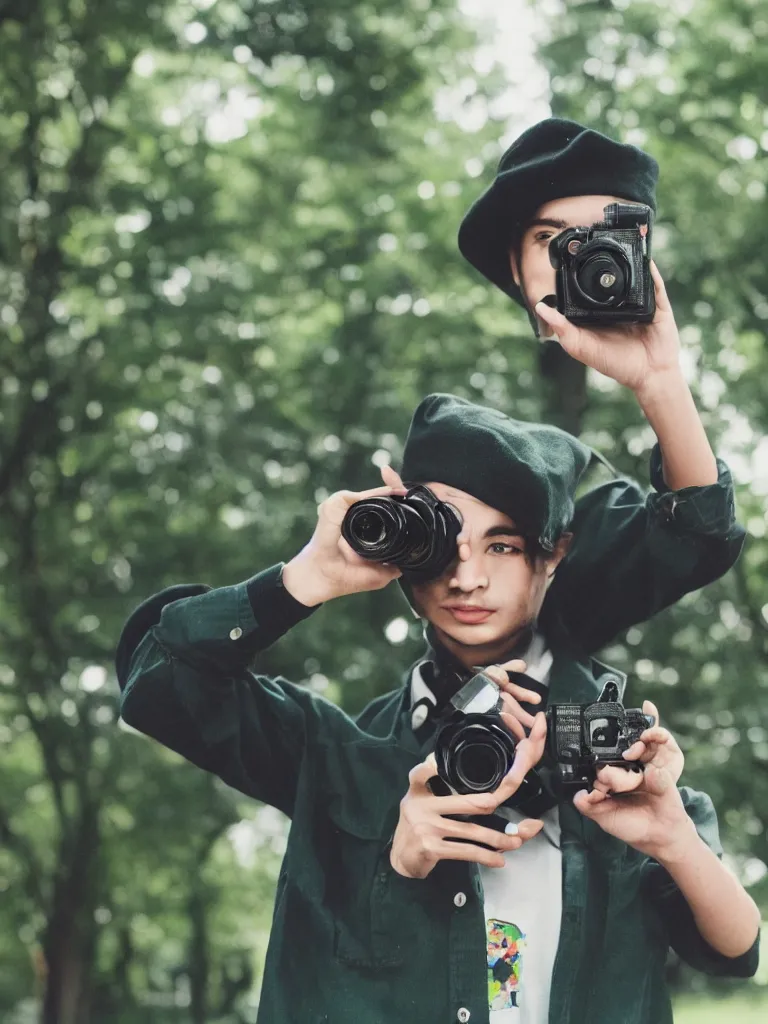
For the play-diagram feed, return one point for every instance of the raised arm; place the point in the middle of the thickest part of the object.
(633, 555)
(636, 552)
(184, 664)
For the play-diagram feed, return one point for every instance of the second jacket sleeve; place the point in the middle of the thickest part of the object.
(635, 553)
(684, 935)
(187, 683)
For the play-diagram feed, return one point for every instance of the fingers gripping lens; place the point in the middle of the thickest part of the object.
(416, 532)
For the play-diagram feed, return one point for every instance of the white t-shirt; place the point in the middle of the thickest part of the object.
(523, 906)
(522, 900)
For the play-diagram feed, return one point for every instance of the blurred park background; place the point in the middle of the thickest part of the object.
(228, 272)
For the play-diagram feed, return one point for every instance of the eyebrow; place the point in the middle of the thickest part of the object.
(546, 222)
(502, 531)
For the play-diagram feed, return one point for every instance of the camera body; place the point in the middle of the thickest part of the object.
(583, 738)
(603, 271)
(474, 750)
(415, 532)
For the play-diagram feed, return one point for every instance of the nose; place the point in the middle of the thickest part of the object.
(468, 574)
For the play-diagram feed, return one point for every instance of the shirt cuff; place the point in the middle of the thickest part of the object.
(708, 510)
(274, 609)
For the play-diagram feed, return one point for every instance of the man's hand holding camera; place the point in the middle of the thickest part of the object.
(635, 355)
(645, 357)
(424, 834)
(327, 567)
(645, 809)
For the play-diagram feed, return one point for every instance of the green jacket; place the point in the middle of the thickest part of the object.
(352, 941)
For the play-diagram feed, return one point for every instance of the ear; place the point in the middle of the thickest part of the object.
(561, 550)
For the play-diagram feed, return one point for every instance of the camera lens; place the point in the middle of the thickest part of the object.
(417, 532)
(416, 542)
(373, 528)
(480, 766)
(370, 528)
(602, 273)
(474, 754)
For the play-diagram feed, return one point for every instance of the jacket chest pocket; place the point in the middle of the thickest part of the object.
(359, 893)
(374, 909)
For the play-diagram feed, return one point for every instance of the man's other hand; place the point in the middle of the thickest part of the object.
(424, 834)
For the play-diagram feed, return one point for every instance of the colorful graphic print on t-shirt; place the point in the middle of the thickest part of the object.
(505, 964)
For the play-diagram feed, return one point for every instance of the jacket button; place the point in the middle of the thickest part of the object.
(459, 899)
(463, 1015)
(236, 633)
(419, 716)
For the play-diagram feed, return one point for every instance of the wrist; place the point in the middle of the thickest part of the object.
(677, 846)
(304, 582)
(661, 386)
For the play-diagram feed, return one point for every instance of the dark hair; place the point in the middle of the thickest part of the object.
(516, 248)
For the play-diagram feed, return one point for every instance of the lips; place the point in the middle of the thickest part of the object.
(469, 614)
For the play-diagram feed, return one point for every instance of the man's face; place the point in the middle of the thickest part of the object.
(483, 602)
(535, 275)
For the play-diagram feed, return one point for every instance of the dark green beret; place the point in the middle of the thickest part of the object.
(551, 160)
(527, 470)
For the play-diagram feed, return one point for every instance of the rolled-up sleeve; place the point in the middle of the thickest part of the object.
(635, 553)
(674, 910)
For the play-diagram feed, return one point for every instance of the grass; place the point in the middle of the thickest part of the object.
(734, 1010)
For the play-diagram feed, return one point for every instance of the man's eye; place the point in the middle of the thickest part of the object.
(543, 236)
(503, 549)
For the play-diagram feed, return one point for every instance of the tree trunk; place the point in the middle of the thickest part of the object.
(565, 382)
(198, 960)
(70, 937)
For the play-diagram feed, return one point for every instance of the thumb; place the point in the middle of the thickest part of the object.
(569, 336)
(592, 804)
(552, 318)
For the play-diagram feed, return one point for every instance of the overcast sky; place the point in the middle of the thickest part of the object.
(511, 27)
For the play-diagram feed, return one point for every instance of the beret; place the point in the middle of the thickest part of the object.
(529, 471)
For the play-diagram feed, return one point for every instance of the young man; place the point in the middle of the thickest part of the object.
(404, 925)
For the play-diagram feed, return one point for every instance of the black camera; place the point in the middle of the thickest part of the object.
(603, 271)
(415, 532)
(474, 750)
(583, 738)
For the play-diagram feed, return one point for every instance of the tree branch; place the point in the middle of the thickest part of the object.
(32, 869)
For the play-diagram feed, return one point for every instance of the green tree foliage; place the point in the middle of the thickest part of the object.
(228, 270)
(227, 274)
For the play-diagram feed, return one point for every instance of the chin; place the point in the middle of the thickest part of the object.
(472, 636)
